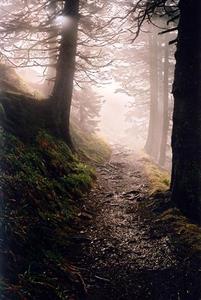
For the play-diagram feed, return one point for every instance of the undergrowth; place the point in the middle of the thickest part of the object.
(159, 180)
(40, 186)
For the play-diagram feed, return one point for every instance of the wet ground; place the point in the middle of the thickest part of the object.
(122, 258)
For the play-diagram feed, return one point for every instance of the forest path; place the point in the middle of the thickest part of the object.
(124, 259)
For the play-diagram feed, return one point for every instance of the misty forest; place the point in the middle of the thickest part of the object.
(100, 124)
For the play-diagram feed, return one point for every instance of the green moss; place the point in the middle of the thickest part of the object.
(78, 182)
(39, 182)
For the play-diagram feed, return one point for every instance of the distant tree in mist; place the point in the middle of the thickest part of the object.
(166, 112)
(149, 61)
(86, 107)
(161, 76)
(131, 70)
(152, 142)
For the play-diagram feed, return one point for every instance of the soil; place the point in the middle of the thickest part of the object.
(123, 256)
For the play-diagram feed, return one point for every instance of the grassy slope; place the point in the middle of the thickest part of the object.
(89, 146)
(41, 186)
(159, 179)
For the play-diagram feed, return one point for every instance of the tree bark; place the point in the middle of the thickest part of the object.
(63, 88)
(186, 136)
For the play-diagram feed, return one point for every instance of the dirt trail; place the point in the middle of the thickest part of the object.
(123, 259)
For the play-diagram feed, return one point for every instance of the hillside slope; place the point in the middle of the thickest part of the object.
(42, 184)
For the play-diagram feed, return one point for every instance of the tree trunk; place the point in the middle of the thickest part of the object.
(186, 136)
(63, 88)
(165, 121)
(52, 45)
(159, 119)
(151, 143)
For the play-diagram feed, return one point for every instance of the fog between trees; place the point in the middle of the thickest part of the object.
(123, 86)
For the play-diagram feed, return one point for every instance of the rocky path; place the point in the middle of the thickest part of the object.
(123, 259)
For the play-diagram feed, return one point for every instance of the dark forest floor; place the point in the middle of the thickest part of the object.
(124, 254)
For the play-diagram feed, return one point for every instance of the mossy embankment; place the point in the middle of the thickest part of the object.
(41, 187)
(42, 184)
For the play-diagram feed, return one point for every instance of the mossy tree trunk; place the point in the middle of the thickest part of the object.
(63, 88)
(186, 136)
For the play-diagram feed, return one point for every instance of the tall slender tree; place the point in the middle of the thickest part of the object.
(165, 113)
(63, 88)
(151, 146)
